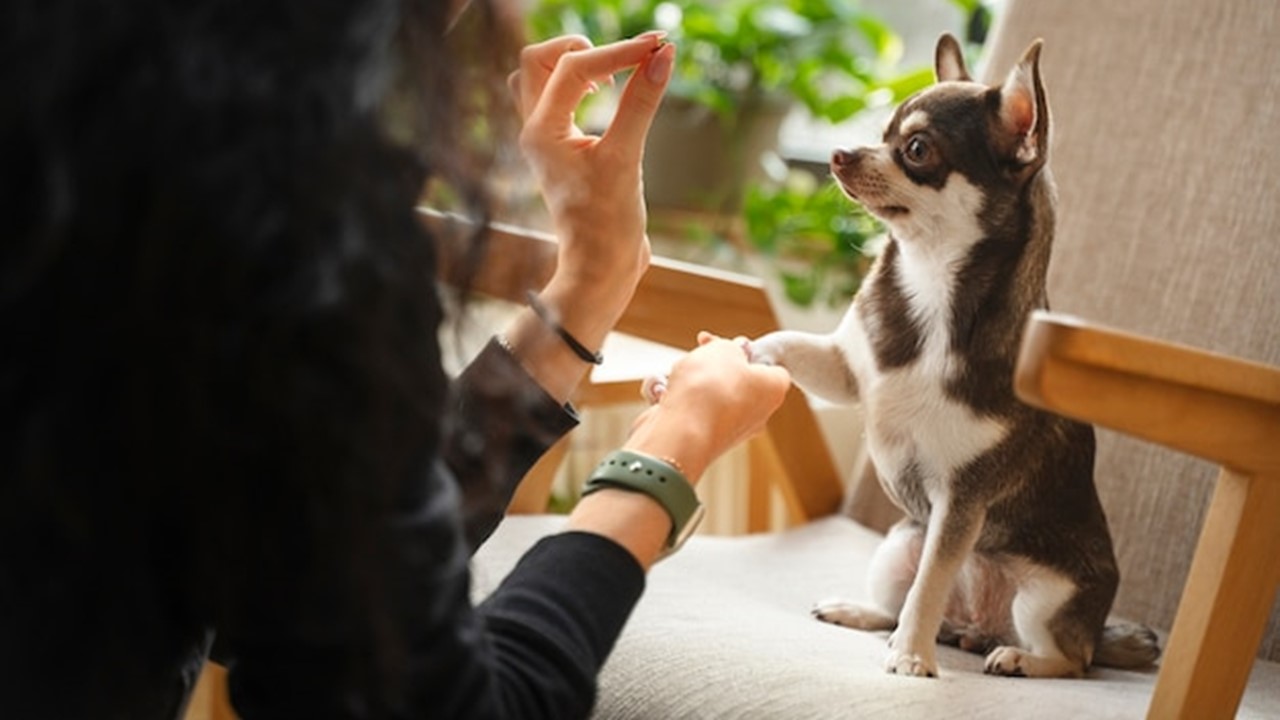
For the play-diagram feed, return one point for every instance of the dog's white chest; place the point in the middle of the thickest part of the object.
(911, 418)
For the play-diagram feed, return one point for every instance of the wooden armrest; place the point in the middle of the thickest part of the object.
(1220, 408)
(1216, 407)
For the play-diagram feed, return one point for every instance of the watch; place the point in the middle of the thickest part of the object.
(656, 478)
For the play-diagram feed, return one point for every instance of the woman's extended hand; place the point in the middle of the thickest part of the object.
(713, 399)
(592, 184)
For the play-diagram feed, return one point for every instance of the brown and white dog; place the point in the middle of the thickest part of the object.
(1005, 548)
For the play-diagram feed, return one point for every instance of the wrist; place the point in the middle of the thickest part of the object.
(635, 521)
(656, 479)
(606, 275)
(588, 311)
(685, 445)
(551, 320)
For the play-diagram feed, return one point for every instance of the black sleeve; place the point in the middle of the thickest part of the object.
(533, 649)
(500, 422)
(553, 621)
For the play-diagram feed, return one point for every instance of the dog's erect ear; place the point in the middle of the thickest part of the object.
(948, 60)
(1024, 113)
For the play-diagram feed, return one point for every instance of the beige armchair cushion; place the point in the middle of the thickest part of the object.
(724, 631)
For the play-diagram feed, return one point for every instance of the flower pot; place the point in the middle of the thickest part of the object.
(701, 160)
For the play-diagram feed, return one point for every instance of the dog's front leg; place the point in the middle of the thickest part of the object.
(819, 364)
(952, 532)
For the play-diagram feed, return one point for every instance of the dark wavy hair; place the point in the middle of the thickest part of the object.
(218, 348)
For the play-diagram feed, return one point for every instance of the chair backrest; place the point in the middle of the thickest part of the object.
(1166, 151)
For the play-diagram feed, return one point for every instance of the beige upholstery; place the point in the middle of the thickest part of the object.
(1167, 156)
(724, 631)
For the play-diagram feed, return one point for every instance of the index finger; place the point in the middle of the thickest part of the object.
(537, 62)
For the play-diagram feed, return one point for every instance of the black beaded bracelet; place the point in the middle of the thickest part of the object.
(578, 348)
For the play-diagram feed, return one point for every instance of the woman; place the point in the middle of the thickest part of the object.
(226, 418)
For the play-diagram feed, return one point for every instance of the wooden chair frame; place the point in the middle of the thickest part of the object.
(1215, 407)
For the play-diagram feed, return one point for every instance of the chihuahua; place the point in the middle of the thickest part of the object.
(1004, 549)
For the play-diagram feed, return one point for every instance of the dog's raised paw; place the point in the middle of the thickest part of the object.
(761, 351)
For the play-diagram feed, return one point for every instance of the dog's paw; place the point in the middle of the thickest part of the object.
(909, 663)
(764, 350)
(653, 387)
(852, 615)
(907, 657)
(1005, 661)
(1016, 662)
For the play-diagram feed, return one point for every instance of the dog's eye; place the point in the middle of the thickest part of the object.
(918, 150)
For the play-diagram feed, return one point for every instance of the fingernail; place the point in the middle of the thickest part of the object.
(660, 64)
(656, 34)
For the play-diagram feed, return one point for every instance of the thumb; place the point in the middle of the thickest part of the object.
(777, 377)
(640, 100)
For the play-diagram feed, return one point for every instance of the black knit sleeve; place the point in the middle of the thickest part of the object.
(500, 422)
(552, 623)
(532, 649)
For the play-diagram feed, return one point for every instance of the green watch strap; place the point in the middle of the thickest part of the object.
(657, 479)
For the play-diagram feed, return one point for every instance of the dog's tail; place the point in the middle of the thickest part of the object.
(1127, 646)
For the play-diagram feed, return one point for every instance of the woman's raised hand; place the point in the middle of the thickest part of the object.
(592, 184)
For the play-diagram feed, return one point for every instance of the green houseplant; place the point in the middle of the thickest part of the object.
(820, 242)
(827, 54)
(741, 66)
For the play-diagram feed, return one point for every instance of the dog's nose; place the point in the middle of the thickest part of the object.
(841, 157)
